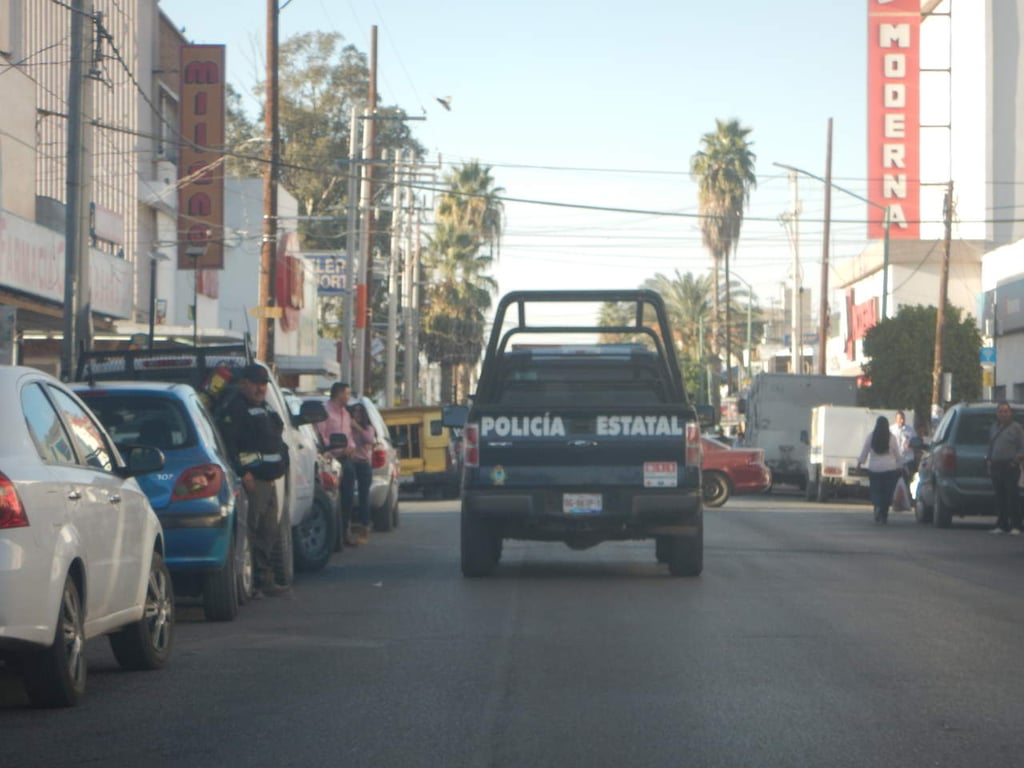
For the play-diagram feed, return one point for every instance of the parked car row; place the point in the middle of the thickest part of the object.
(117, 495)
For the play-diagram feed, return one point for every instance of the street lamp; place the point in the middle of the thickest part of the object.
(154, 257)
(195, 252)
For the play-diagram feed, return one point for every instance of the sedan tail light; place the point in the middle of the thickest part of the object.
(12, 514)
(947, 459)
(378, 458)
(694, 445)
(199, 482)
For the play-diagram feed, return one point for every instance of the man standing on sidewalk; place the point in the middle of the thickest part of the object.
(339, 422)
(1004, 458)
(253, 435)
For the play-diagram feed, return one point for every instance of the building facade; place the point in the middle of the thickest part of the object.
(969, 78)
(133, 149)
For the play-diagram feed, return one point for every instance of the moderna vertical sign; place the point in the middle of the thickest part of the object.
(894, 117)
(201, 161)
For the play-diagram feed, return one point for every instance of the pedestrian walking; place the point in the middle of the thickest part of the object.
(1004, 458)
(339, 422)
(254, 437)
(364, 438)
(881, 455)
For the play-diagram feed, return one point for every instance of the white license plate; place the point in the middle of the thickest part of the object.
(581, 503)
(660, 474)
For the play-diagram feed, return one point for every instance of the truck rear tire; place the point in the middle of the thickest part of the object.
(822, 491)
(811, 492)
(686, 554)
(480, 547)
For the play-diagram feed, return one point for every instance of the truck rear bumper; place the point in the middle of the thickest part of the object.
(539, 514)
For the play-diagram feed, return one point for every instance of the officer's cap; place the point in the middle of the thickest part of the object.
(256, 373)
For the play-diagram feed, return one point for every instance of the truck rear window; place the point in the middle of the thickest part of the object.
(585, 382)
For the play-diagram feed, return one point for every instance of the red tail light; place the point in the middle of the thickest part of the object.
(200, 482)
(947, 459)
(694, 446)
(471, 445)
(378, 458)
(12, 514)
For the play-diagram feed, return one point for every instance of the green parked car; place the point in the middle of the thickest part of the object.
(952, 478)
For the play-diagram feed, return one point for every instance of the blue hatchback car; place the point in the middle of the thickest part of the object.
(197, 495)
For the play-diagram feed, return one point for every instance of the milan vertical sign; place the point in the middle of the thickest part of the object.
(201, 163)
(894, 116)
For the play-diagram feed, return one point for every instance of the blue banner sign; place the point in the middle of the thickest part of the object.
(330, 271)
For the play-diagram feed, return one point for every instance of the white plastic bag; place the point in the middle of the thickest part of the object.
(901, 497)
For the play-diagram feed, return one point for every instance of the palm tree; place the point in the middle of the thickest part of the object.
(724, 171)
(470, 215)
(472, 200)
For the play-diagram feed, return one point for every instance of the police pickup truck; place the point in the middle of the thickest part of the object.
(583, 442)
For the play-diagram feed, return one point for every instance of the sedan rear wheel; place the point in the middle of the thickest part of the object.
(55, 677)
(220, 591)
(922, 512)
(942, 514)
(146, 643)
(245, 570)
(316, 534)
(716, 489)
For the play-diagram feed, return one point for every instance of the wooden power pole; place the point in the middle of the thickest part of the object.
(940, 314)
(826, 235)
(268, 253)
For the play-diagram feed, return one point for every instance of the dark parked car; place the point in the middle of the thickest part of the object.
(732, 471)
(197, 495)
(952, 480)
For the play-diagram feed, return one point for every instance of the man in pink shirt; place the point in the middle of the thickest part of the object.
(339, 422)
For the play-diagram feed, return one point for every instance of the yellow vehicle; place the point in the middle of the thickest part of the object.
(427, 456)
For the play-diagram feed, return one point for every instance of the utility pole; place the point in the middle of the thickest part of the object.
(826, 235)
(360, 355)
(369, 155)
(940, 314)
(796, 337)
(351, 247)
(391, 359)
(268, 254)
(409, 278)
(77, 304)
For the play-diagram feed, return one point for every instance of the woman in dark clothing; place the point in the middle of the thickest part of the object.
(884, 462)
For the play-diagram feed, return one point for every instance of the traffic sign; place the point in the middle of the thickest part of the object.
(988, 355)
(275, 312)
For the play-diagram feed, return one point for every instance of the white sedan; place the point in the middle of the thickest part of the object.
(80, 546)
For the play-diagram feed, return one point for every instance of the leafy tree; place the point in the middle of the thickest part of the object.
(902, 352)
(321, 81)
(470, 216)
(724, 171)
(688, 305)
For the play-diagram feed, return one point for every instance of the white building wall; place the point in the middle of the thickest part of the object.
(239, 280)
(18, 144)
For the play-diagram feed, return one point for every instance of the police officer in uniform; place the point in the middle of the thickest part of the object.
(252, 432)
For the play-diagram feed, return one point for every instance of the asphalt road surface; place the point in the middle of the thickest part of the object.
(813, 638)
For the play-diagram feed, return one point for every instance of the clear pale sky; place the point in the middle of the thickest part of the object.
(602, 104)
